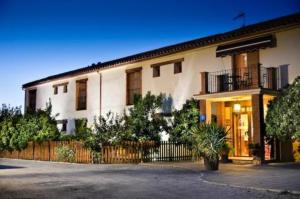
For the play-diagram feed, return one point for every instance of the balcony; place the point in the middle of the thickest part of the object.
(252, 77)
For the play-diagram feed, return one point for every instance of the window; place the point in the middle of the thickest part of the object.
(134, 84)
(81, 94)
(31, 100)
(156, 71)
(55, 91)
(63, 125)
(56, 86)
(177, 67)
(245, 60)
(176, 62)
(65, 88)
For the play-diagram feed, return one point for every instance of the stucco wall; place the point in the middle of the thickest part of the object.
(180, 86)
(286, 52)
(64, 103)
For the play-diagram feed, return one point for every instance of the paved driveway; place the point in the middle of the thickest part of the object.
(31, 179)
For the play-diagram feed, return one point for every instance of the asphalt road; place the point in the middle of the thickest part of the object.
(32, 179)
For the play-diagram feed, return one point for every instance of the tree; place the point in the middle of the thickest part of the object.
(42, 124)
(16, 130)
(9, 112)
(144, 122)
(9, 117)
(282, 120)
(183, 121)
(107, 130)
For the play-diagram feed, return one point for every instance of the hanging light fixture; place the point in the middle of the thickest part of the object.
(236, 107)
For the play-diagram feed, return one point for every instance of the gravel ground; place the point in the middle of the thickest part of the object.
(33, 179)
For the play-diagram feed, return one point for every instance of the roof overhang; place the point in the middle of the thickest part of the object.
(246, 46)
(223, 95)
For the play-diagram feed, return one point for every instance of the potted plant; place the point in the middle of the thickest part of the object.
(208, 142)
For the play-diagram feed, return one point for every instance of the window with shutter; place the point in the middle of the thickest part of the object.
(156, 71)
(81, 94)
(134, 84)
(55, 90)
(65, 88)
(177, 67)
(31, 100)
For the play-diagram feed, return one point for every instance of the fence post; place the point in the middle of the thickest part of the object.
(33, 148)
(49, 150)
(141, 151)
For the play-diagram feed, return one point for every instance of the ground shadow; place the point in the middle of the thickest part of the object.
(9, 167)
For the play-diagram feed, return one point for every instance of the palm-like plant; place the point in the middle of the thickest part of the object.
(208, 142)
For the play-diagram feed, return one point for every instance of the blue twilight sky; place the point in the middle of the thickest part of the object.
(41, 38)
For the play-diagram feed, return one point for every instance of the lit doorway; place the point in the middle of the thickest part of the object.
(242, 132)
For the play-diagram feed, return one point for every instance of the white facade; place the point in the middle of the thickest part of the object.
(180, 87)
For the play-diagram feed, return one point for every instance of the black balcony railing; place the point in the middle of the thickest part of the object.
(243, 78)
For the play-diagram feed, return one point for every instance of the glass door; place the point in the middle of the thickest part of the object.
(241, 133)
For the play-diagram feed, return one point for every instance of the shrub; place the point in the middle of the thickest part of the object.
(282, 120)
(65, 154)
(144, 121)
(16, 130)
(7, 112)
(107, 130)
(183, 121)
(9, 117)
(82, 131)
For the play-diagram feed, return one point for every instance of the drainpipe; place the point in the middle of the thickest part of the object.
(25, 100)
(100, 93)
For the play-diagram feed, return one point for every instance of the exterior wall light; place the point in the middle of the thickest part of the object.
(236, 108)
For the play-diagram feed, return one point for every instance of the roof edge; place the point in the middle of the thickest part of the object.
(257, 28)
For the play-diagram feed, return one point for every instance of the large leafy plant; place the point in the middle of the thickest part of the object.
(107, 130)
(16, 130)
(82, 131)
(144, 121)
(208, 141)
(183, 121)
(282, 120)
(9, 117)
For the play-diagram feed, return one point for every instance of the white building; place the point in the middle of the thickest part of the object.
(176, 71)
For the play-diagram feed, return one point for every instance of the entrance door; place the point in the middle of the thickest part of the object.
(241, 133)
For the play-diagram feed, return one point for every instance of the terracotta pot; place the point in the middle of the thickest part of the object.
(211, 164)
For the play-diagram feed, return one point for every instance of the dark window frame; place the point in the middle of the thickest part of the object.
(56, 86)
(81, 100)
(133, 91)
(64, 124)
(55, 90)
(65, 88)
(31, 105)
(177, 67)
(156, 71)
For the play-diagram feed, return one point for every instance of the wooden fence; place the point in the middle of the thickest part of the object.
(133, 152)
(127, 152)
(46, 151)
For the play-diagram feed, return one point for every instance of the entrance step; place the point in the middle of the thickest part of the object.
(241, 160)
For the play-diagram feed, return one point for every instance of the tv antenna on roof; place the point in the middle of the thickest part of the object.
(242, 16)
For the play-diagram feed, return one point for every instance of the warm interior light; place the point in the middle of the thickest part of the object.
(236, 107)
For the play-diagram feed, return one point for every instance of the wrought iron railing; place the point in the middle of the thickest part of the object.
(243, 78)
